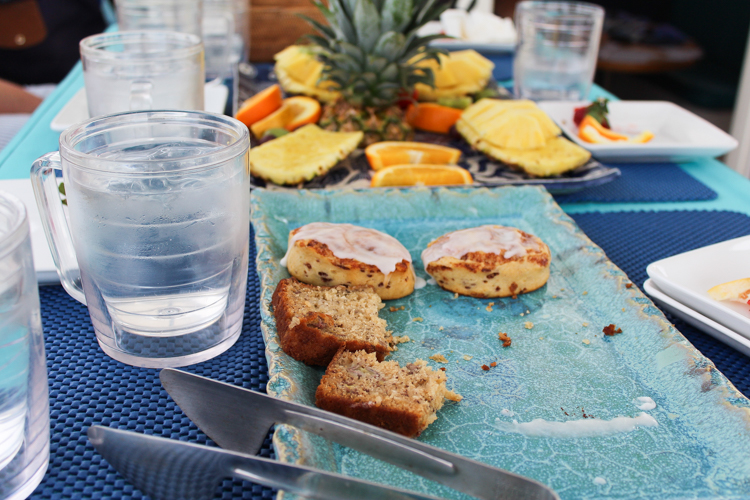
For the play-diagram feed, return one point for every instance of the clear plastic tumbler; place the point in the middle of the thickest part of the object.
(24, 406)
(558, 43)
(142, 70)
(155, 239)
(184, 16)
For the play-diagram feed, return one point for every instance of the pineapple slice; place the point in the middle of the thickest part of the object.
(557, 156)
(460, 73)
(520, 129)
(301, 155)
(516, 129)
(519, 133)
(298, 72)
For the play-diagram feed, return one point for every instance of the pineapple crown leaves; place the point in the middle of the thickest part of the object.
(370, 47)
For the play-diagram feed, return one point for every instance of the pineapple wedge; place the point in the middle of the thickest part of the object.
(298, 72)
(519, 133)
(301, 155)
(556, 157)
(460, 73)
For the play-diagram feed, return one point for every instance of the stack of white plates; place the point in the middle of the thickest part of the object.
(680, 284)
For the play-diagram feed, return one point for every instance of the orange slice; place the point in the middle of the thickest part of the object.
(594, 132)
(387, 153)
(260, 105)
(421, 175)
(738, 290)
(293, 113)
(432, 117)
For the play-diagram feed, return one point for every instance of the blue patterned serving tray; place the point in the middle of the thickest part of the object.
(355, 172)
(564, 404)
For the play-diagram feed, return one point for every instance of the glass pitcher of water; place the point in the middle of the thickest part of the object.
(154, 236)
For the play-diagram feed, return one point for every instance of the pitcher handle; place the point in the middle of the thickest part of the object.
(55, 224)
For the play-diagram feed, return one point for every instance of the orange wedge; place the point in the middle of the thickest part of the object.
(421, 175)
(293, 113)
(432, 117)
(387, 153)
(260, 105)
(594, 132)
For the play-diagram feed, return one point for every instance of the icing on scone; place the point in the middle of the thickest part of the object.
(347, 241)
(499, 240)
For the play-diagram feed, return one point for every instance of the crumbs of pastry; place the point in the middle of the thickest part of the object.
(439, 358)
(528, 325)
(628, 285)
(400, 339)
(394, 308)
(418, 319)
(611, 330)
(585, 293)
(452, 396)
(504, 339)
(440, 329)
(585, 324)
(467, 357)
(586, 341)
(455, 295)
(489, 306)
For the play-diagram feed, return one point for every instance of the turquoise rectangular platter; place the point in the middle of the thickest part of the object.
(561, 369)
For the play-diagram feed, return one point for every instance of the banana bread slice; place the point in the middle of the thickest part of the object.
(313, 322)
(400, 399)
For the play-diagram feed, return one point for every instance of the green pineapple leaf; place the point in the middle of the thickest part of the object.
(389, 45)
(367, 24)
(395, 15)
(327, 31)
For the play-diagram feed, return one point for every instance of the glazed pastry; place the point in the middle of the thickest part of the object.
(488, 261)
(328, 254)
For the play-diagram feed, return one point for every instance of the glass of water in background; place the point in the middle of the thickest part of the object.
(558, 43)
(184, 16)
(157, 243)
(225, 39)
(24, 406)
(140, 70)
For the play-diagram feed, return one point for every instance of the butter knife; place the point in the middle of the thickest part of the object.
(238, 419)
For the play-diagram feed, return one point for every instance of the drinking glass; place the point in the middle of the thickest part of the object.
(158, 205)
(140, 70)
(558, 43)
(24, 406)
(225, 31)
(184, 16)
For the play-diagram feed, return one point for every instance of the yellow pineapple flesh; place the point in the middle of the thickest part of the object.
(298, 72)
(460, 73)
(520, 134)
(301, 155)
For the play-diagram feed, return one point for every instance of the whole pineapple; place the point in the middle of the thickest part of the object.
(370, 49)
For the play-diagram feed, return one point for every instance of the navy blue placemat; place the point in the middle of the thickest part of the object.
(644, 182)
(633, 240)
(87, 387)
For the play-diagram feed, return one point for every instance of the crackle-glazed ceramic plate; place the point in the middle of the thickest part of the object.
(641, 414)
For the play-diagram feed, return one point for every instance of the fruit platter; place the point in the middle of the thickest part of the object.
(361, 107)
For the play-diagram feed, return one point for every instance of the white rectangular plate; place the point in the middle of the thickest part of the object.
(678, 134)
(696, 319)
(686, 277)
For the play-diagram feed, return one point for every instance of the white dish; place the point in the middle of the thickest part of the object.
(46, 273)
(678, 133)
(686, 277)
(694, 318)
(450, 44)
(76, 109)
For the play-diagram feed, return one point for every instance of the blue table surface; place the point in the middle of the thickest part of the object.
(733, 190)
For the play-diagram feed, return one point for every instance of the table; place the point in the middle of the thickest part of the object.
(87, 388)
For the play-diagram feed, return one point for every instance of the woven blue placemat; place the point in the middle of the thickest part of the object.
(87, 387)
(644, 182)
(632, 240)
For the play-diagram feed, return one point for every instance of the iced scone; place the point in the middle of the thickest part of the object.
(327, 254)
(488, 261)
